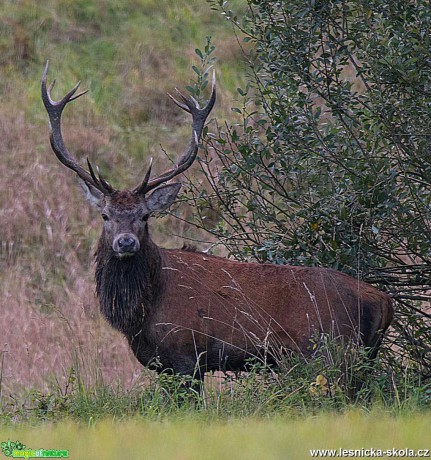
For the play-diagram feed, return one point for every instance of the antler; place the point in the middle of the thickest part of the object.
(190, 105)
(55, 109)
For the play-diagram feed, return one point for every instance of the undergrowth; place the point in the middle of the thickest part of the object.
(332, 380)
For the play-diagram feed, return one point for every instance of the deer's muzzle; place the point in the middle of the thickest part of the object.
(125, 244)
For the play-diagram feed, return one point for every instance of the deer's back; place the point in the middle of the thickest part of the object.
(219, 305)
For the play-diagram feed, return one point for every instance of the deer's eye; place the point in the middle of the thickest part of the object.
(105, 217)
(145, 217)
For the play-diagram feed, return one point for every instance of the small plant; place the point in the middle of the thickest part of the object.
(202, 71)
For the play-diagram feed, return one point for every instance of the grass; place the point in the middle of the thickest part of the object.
(299, 388)
(193, 438)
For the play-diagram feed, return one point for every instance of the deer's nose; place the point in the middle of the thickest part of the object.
(126, 243)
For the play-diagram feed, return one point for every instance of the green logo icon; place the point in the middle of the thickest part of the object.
(18, 450)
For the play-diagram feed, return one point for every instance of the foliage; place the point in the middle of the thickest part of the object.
(331, 162)
(336, 377)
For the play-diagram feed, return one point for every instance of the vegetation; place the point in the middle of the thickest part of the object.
(324, 161)
(335, 379)
(279, 438)
(330, 163)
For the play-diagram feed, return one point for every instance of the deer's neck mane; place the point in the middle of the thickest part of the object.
(128, 288)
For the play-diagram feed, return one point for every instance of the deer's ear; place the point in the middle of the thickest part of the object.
(94, 196)
(163, 197)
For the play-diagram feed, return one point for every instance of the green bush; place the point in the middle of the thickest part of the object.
(330, 164)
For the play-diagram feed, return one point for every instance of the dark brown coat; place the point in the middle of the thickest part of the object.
(187, 307)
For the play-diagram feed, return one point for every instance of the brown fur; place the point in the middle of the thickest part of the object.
(188, 308)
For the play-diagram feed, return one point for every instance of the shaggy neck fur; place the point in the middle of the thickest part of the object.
(127, 288)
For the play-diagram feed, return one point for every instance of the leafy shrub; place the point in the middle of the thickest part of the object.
(330, 163)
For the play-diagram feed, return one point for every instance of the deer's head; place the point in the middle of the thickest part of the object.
(125, 213)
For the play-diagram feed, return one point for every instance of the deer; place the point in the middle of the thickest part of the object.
(192, 312)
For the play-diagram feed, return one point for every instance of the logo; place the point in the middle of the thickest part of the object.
(19, 450)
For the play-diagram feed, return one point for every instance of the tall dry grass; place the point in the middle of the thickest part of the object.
(49, 317)
(128, 56)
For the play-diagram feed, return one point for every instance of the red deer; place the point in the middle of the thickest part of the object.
(195, 312)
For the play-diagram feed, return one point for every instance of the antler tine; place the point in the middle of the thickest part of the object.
(99, 178)
(186, 103)
(55, 109)
(199, 116)
(141, 189)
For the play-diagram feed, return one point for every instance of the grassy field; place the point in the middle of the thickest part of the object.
(240, 439)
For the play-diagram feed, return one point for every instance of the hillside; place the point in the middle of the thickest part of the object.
(128, 55)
